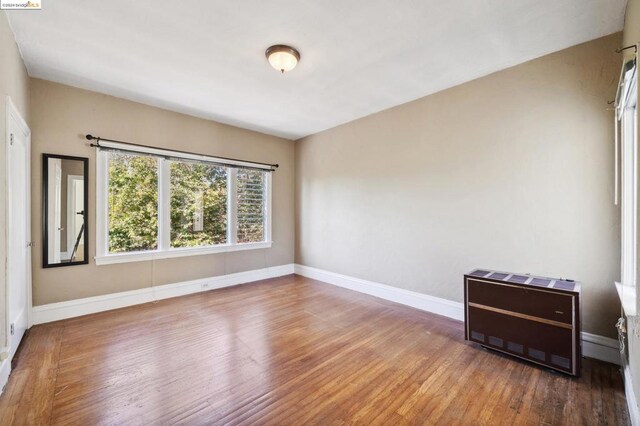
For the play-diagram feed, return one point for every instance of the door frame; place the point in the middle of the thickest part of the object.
(71, 233)
(12, 113)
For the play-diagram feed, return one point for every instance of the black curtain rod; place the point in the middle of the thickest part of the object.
(98, 139)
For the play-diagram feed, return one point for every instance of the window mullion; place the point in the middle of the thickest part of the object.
(164, 204)
(232, 205)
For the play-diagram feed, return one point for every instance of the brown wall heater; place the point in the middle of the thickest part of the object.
(533, 318)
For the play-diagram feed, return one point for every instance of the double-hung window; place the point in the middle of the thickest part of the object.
(154, 204)
(627, 128)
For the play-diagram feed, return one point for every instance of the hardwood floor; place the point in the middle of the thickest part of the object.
(288, 351)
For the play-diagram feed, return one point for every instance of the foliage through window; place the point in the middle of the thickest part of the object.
(133, 203)
(198, 204)
(157, 204)
(251, 206)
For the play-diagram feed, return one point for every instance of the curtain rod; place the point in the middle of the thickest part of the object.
(98, 139)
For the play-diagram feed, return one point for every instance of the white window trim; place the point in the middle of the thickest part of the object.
(164, 251)
(629, 201)
(628, 296)
(627, 114)
(139, 256)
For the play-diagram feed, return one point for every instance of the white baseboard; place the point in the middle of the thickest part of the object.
(600, 347)
(593, 346)
(420, 301)
(632, 402)
(90, 305)
(5, 370)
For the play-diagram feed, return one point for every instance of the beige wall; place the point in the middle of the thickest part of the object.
(62, 115)
(631, 35)
(14, 82)
(513, 171)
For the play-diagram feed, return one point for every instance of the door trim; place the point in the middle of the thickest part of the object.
(72, 232)
(12, 113)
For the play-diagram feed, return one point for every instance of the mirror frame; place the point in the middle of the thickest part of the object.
(45, 212)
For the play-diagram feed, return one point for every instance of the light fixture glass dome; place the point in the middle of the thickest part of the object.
(283, 58)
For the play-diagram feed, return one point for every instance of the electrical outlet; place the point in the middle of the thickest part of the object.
(13, 329)
(205, 286)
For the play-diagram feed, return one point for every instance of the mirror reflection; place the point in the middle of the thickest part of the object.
(65, 210)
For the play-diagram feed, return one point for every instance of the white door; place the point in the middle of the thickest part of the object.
(18, 227)
(75, 205)
(54, 180)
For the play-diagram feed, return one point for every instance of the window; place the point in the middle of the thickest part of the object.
(156, 204)
(133, 203)
(629, 126)
(198, 204)
(251, 205)
(627, 122)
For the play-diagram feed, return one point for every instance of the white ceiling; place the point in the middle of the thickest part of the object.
(206, 58)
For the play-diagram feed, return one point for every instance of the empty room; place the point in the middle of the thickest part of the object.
(319, 212)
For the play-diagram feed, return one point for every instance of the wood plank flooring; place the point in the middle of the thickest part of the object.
(288, 351)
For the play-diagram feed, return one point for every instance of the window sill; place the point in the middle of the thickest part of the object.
(627, 296)
(141, 256)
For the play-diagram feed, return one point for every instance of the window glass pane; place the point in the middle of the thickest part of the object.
(198, 204)
(133, 203)
(251, 205)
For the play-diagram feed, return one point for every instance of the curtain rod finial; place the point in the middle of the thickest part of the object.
(89, 137)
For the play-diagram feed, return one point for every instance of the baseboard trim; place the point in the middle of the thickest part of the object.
(600, 347)
(632, 402)
(593, 346)
(90, 305)
(5, 370)
(416, 300)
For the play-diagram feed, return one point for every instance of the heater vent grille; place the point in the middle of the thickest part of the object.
(515, 347)
(565, 285)
(537, 354)
(561, 361)
(495, 341)
(520, 279)
(477, 336)
(542, 282)
(498, 276)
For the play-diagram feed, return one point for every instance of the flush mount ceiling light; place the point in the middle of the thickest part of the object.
(282, 57)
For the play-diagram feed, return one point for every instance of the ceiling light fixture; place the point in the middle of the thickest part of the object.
(282, 57)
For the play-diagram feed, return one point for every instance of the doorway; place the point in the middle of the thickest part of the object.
(18, 227)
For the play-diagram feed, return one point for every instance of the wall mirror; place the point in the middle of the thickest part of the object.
(65, 202)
